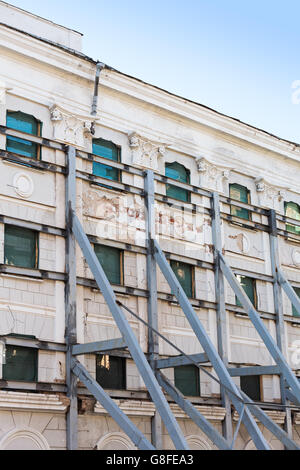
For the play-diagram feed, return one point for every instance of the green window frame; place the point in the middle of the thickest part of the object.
(106, 149)
(25, 123)
(185, 274)
(21, 364)
(187, 380)
(251, 385)
(111, 260)
(111, 372)
(295, 311)
(242, 194)
(21, 247)
(292, 210)
(249, 286)
(177, 172)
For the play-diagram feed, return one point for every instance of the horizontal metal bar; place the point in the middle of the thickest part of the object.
(31, 163)
(128, 188)
(98, 346)
(260, 327)
(249, 224)
(124, 167)
(243, 205)
(180, 361)
(34, 344)
(32, 138)
(193, 413)
(32, 386)
(266, 421)
(253, 370)
(5, 219)
(33, 273)
(111, 407)
(288, 220)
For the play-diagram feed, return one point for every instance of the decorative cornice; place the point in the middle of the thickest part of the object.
(146, 153)
(270, 195)
(33, 402)
(71, 128)
(277, 416)
(143, 408)
(212, 176)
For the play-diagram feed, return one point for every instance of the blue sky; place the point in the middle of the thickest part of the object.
(239, 57)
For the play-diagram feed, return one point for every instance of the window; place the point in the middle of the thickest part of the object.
(250, 384)
(108, 150)
(295, 311)
(292, 210)
(242, 194)
(185, 275)
(111, 372)
(21, 364)
(24, 123)
(180, 173)
(20, 247)
(187, 380)
(111, 260)
(249, 286)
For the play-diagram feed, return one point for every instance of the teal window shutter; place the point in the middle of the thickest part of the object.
(111, 261)
(20, 247)
(180, 173)
(185, 275)
(292, 210)
(21, 364)
(248, 284)
(108, 150)
(295, 311)
(111, 372)
(187, 380)
(24, 123)
(250, 384)
(239, 193)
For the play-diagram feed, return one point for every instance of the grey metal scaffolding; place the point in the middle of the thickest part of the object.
(150, 367)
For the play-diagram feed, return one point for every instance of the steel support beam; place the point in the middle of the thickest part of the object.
(255, 370)
(261, 329)
(181, 361)
(293, 297)
(152, 308)
(222, 333)
(209, 349)
(193, 413)
(271, 426)
(278, 305)
(115, 412)
(98, 346)
(129, 337)
(70, 300)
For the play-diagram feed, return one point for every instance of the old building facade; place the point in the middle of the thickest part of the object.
(46, 90)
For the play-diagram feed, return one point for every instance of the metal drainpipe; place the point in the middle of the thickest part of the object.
(99, 67)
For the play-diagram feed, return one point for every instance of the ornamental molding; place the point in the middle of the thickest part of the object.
(24, 433)
(70, 128)
(269, 195)
(144, 409)
(23, 185)
(33, 402)
(3, 90)
(212, 176)
(277, 416)
(146, 153)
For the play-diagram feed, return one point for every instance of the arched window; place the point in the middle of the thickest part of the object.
(24, 123)
(105, 149)
(242, 194)
(24, 439)
(292, 210)
(115, 441)
(179, 173)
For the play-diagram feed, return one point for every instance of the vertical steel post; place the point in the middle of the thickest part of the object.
(278, 306)
(222, 332)
(70, 299)
(153, 341)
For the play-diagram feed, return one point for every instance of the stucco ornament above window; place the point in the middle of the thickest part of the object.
(146, 153)
(69, 128)
(212, 176)
(270, 196)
